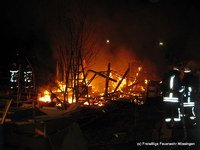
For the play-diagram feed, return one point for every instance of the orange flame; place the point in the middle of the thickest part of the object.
(46, 98)
(126, 89)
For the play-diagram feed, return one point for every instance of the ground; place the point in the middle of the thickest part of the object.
(116, 126)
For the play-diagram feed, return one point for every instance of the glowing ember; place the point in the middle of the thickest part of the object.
(46, 98)
(86, 103)
(146, 81)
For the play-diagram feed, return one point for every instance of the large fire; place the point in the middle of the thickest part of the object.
(125, 88)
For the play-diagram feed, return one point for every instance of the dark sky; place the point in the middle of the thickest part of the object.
(31, 28)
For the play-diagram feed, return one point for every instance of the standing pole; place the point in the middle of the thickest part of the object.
(107, 82)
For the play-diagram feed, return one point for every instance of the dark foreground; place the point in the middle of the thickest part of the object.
(140, 127)
(117, 126)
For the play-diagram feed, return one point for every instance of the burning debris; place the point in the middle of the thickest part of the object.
(117, 87)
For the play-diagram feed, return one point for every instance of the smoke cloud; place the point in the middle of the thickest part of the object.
(134, 29)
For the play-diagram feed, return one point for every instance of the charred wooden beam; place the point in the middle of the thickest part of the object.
(91, 79)
(102, 75)
(121, 80)
(6, 111)
(88, 83)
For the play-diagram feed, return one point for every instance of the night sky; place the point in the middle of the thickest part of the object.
(34, 28)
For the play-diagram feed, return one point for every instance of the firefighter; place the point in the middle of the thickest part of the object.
(172, 96)
(189, 83)
(14, 78)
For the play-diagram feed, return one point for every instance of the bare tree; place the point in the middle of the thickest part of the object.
(79, 47)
